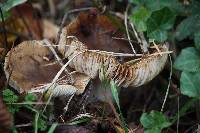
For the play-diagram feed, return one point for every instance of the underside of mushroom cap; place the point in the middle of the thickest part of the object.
(31, 64)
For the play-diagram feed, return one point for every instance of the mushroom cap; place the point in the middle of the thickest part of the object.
(97, 32)
(26, 67)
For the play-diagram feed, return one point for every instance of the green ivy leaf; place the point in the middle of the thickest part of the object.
(194, 7)
(197, 40)
(188, 60)
(42, 124)
(158, 35)
(140, 17)
(115, 93)
(188, 27)
(5, 16)
(6, 6)
(175, 5)
(30, 97)
(158, 24)
(116, 98)
(154, 122)
(137, 2)
(9, 96)
(190, 84)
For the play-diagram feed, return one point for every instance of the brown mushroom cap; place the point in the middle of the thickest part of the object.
(26, 66)
(96, 32)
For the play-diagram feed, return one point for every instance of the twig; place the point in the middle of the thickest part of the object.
(68, 102)
(128, 55)
(82, 115)
(62, 4)
(135, 33)
(118, 14)
(24, 125)
(119, 38)
(156, 47)
(114, 54)
(56, 78)
(31, 103)
(59, 60)
(141, 40)
(177, 124)
(127, 32)
(167, 92)
(119, 54)
(52, 7)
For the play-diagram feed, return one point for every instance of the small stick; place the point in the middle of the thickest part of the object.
(156, 47)
(59, 60)
(178, 114)
(114, 54)
(24, 125)
(141, 39)
(68, 102)
(52, 7)
(128, 55)
(127, 32)
(56, 78)
(167, 92)
(119, 38)
(62, 4)
(31, 103)
(135, 33)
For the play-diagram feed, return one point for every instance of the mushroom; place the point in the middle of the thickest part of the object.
(95, 62)
(29, 65)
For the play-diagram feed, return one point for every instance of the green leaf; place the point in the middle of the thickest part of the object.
(52, 128)
(79, 121)
(188, 27)
(154, 122)
(174, 5)
(137, 2)
(140, 17)
(190, 84)
(197, 40)
(5, 16)
(30, 97)
(42, 125)
(9, 96)
(194, 7)
(158, 35)
(158, 24)
(6, 6)
(188, 60)
(116, 98)
(115, 93)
